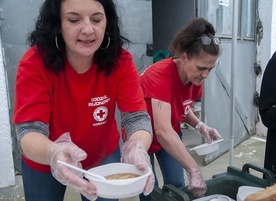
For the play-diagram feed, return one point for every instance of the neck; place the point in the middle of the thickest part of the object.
(181, 72)
(81, 65)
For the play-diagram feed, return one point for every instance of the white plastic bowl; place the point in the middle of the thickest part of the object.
(245, 191)
(115, 189)
(206, 148)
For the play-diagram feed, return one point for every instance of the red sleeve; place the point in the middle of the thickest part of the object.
(153, 80)
(130, 96)
(32, 91)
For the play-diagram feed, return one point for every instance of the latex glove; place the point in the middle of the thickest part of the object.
(65, 150)
(197, 185)
(134, 152)
(209, 133)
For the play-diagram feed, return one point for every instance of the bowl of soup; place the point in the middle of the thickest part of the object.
(122, 180)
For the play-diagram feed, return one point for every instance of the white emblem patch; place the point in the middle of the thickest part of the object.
(100, 113)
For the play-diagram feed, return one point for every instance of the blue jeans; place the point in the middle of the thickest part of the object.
(172, 171)
(44, 187)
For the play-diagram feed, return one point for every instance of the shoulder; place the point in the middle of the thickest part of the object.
(163, 68)
(271, 65)
(31, 63)
(31, 53)
(125, 55)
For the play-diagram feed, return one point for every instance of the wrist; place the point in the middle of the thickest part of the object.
(197, 127)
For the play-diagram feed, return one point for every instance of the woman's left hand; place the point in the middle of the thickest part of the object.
(209, 133)
(134, 152)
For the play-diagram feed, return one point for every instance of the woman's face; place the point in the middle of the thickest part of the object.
(196, 69)
(83, 24)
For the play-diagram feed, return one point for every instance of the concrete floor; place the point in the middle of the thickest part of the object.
(249, 151)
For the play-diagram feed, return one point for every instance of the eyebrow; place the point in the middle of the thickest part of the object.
(75, 13)
(204, 68)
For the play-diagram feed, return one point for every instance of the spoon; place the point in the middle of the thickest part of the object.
(82, 170)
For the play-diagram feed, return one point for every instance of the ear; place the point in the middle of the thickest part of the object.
(183, 57)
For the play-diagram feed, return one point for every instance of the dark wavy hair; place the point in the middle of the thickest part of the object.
(48, 25)
(186, 39)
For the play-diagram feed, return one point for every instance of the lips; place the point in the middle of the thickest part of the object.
(86, 42)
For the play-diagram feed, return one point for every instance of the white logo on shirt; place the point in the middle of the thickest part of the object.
(98, 101)
(186, 107)
(100, 113)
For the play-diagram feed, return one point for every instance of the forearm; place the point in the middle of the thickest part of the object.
(192, 119)
(137, 126)
(143, 136)
(171, 142)
(35, 146)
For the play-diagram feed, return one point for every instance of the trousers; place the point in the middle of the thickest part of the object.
(172, 171)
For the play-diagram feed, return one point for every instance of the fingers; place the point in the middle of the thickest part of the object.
(149, 184)
(75, 153)
(209, 133)
(197, 184)
(213, 133)
(198, 192)
(86, 188)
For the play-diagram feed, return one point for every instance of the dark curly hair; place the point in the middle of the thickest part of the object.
(186, 39)
(48, 25)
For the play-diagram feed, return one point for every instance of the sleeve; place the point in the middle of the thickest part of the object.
(132, 122)
(32, 93)
(267, 104)
(130, 97)
(156, 84)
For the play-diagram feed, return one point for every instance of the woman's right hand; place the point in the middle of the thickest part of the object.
(197, 184)
(65, 150)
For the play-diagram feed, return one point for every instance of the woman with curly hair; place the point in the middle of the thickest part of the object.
(68, 84)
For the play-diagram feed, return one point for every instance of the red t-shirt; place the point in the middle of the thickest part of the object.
(82, 104)
(161, 81)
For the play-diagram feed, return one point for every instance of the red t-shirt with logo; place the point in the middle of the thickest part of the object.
(81, 104)
(161, 81)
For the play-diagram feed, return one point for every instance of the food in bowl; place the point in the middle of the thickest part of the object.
(119, 188)
(121, 176)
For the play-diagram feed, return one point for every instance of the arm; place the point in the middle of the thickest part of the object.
(192, 119)
(167, 136)
(171, 142)
(35, 145)
(138, 128)
(209, 133)
(267, 104)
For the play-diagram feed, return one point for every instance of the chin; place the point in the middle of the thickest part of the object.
(198, 83)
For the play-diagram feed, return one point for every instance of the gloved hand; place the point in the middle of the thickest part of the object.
(209, 133)
(65, 150)
(134, 152)
(196, 182)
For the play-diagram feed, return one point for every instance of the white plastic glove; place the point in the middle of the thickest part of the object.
(134, 152)
(197, 185)
(65, 150)
(209, 133)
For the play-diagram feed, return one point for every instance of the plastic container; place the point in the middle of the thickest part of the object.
(216, 197)
(226, 183)
(123, 188)
(206, 148)
(245, 191)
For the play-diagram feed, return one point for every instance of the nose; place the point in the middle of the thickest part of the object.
(205, 74)
(87, 27)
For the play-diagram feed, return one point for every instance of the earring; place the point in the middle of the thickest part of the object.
(56, 41)
(108, 42)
